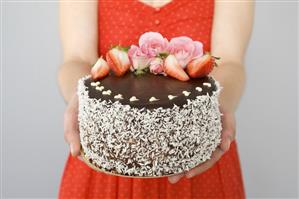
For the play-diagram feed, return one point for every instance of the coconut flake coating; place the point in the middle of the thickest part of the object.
(148, 142)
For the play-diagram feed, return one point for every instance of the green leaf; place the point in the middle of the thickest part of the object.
(139, 72)
(163, 55)
(123, 48)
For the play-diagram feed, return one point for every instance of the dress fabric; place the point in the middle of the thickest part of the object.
(122, 22)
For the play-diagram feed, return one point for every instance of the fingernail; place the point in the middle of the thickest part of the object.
(227, 145)
(174, 179)
(72, 149)
(80, 158)
(189, 175)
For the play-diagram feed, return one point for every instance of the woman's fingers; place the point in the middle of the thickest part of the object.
(80, 158)
(226, 140)
(200, 168)
(206, 165)
(175, 178)
(228, 132)
(227, 136)
(71, 129)
(75, 144)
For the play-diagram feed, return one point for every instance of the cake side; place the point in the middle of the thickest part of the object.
(132, 141)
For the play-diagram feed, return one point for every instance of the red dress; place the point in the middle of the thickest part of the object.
(122, 22)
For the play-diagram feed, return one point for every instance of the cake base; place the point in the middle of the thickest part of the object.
(86, 161)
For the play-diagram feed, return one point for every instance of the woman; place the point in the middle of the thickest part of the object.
(88, 29)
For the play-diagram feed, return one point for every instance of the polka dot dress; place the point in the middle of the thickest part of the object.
(122, 22)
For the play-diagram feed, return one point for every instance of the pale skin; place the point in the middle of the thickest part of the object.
(231, 32)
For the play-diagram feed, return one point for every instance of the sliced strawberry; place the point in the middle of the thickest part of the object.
(118, 60)
(100, 69)
(172, 68)
(201, 66)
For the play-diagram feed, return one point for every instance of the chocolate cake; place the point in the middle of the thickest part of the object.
(148, 125)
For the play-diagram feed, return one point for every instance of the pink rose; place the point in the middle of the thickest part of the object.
(156, 66)
(138, 59)
(153, 43)
(185, 49)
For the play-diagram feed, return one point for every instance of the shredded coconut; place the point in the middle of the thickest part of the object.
(148, 142)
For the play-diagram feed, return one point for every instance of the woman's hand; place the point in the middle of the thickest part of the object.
(71, 127)
(227, 136)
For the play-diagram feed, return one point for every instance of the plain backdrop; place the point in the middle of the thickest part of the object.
(32, 146)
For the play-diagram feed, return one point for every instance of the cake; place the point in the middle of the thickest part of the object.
(147, 125)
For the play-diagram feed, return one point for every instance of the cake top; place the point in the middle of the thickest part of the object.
(149, 91)
(162, 73)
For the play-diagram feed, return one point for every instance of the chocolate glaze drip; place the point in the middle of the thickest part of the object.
(149, 85)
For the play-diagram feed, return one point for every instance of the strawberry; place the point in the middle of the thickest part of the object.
(118, 60)
(201, 66)
(100, 69)
(172, 68)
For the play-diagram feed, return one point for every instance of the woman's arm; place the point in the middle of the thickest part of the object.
(231, 32)
(78, 25)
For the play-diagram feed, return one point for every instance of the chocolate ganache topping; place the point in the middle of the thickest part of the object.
(165, 91)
